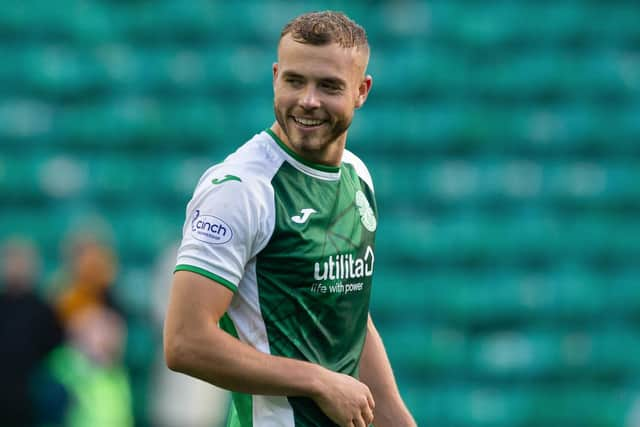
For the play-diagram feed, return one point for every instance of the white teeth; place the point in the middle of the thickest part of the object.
(307, 122)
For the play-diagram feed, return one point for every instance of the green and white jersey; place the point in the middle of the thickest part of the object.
(295, 242)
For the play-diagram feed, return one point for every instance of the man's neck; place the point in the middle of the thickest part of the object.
(333, 157)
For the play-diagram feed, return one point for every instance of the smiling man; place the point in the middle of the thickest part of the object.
(271, 292)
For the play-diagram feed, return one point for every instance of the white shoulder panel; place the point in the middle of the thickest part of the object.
(230, 217)
(361, 169)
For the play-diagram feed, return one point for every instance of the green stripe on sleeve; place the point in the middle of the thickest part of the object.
(208, 275)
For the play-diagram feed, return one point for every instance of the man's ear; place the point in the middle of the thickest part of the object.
(275, 72)
(363, 90)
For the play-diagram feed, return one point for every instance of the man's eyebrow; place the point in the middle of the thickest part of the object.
(289, 73)
(334, 81)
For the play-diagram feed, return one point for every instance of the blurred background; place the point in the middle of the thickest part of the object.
(504, 142)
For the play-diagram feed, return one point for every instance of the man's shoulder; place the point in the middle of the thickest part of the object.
(245, 174)
(251, 163)
(348, 157)
(351, 158)
(256, 156)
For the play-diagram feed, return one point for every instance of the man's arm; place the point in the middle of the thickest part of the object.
(375, 371)
(195, 345)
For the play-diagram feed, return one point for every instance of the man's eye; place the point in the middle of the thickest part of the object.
(293, 82)
(330, 88)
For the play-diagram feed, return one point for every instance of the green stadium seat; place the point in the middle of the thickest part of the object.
(548, 74)
(407, 237)
(563, 353)
(581, 403)
(468, 300)
(58, 71)
(515, 296)
(181, 175)
(613, 235)
(142, 344)
(397, 186)
(517, 354)
(461, 129)
(133, 289)
(192, 22)
(93, 125)
(616, 25)
(472, 404)
(421, 349)
(575, 181)
(263, 21)
(20, 177)
(46, 230)
(509, 24)
(25, 122)
(71, 20)
(491, 127)
(518, 236)
(408, 73)
(12, 74)
(424, 400)
(144, 233)
(118, 179)
(629, 128)
(192, 123)
(613, 349)
(493, 298)
(144, 70)
(576, 128)
(604, 76)
(142, 122)
(226, 71)
(409, 290)
(41, 177)
(467, 25)
(387, 23)
(456, 182)
(242, 120)
(411, 128)
(40, 19)
(575, 295)
(622, 290)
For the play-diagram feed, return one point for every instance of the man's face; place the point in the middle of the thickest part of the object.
(316, 90)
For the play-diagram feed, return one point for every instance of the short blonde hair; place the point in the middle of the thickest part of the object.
(321, 28)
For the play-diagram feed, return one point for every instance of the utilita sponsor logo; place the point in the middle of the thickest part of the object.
(343, 267)
(210, 229)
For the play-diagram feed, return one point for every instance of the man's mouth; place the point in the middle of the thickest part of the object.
(305, 122)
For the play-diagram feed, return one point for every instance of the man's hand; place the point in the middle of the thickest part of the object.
(347, 401)
(375, 372)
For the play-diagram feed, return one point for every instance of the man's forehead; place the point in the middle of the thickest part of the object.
(351, 56)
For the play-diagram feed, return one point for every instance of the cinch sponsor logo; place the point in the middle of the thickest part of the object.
(210, 229)
(346, 266)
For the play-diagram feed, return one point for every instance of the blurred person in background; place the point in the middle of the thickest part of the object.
(89, 273)
(176, 399)
(29, 330)
(90, 370)
(270, 297)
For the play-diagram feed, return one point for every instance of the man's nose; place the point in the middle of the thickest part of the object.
(310, 99)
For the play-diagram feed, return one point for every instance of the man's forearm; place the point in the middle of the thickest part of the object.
(216, 357)
(376, 372)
